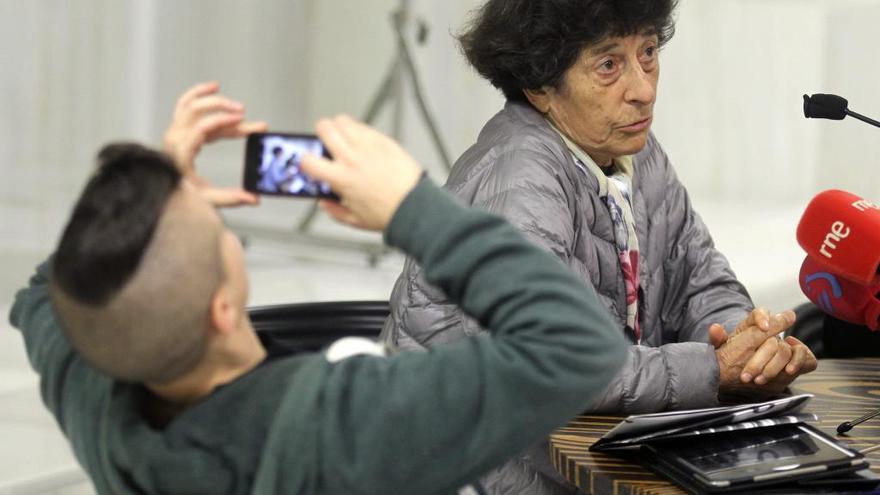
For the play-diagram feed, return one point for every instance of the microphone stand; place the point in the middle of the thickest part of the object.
(836, 100)
(863, 118)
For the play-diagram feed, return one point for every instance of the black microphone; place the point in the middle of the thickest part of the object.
(822, 106)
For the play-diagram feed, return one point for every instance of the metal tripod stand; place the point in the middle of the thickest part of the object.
(392, 91)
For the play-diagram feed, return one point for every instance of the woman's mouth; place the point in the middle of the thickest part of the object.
(638, 126)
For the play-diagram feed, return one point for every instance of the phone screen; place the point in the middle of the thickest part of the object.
(272, 165)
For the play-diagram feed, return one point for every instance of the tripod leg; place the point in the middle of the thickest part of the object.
(379, 100)
(306, 223)
(391, 88)
(383, 93)
(420, 98)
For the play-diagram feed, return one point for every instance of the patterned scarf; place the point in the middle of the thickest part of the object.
(616, 191)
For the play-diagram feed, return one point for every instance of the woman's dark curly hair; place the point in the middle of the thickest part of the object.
(530, 44)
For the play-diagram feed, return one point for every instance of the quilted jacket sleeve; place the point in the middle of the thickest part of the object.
(702, 287)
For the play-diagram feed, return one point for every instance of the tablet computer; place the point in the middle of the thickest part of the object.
(640, 428)
(747, 459)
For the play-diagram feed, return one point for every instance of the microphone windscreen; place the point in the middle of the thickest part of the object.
(842, 231)
(822, 106)
(841, 298)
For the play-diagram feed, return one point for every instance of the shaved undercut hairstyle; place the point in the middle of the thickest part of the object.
(530, 44)
(134, 273)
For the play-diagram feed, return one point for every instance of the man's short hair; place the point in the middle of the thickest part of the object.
(133, 277)
(530, 44)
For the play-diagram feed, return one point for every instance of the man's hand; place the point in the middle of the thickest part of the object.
(754, 360)
(369, 172)
(202, 116)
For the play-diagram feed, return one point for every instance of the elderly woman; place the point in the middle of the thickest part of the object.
(571, 162)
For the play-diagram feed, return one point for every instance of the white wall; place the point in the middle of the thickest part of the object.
(850, 150)
(730, 106)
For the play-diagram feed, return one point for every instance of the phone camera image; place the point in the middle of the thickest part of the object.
(278, 166)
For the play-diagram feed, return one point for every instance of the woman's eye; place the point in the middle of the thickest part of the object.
(607, 66)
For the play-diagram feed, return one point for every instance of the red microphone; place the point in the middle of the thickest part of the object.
(839, 297)
(842, 231)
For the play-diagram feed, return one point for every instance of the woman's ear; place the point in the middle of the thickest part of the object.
(539, 98)
(225, 314)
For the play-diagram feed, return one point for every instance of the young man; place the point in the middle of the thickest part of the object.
(138, 328)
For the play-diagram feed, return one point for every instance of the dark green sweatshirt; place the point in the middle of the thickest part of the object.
(421, 422)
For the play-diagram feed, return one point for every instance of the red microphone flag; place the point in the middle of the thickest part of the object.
(839, 297)
(842, 232)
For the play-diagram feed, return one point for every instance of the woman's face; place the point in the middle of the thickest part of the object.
(606, 100)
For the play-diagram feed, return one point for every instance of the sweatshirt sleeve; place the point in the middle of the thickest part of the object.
(425, 422)
(701, 287)
(74, 393)
(47, 349)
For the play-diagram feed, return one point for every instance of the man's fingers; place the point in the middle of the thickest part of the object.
(203, 115)
(222, 198)
(211, 104)
(240, 130)
(197, 91)
(339, 212)
(347, 127)
(250, 127)
(335, 141)
(323, 169)
(213, 126)
(184, 143)
(356, 133)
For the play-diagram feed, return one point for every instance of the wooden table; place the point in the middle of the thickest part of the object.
(844, 389)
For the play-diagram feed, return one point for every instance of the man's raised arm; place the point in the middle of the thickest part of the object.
(424, 422)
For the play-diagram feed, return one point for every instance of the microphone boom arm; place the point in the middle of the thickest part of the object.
(863, 118)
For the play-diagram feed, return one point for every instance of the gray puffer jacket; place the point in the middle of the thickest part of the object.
(522, 170)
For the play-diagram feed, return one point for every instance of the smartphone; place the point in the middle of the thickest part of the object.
(272, 165)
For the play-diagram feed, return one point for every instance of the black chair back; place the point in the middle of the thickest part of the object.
(313, 326)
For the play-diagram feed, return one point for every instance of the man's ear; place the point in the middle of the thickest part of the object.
(539, 98)
(225, 314)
